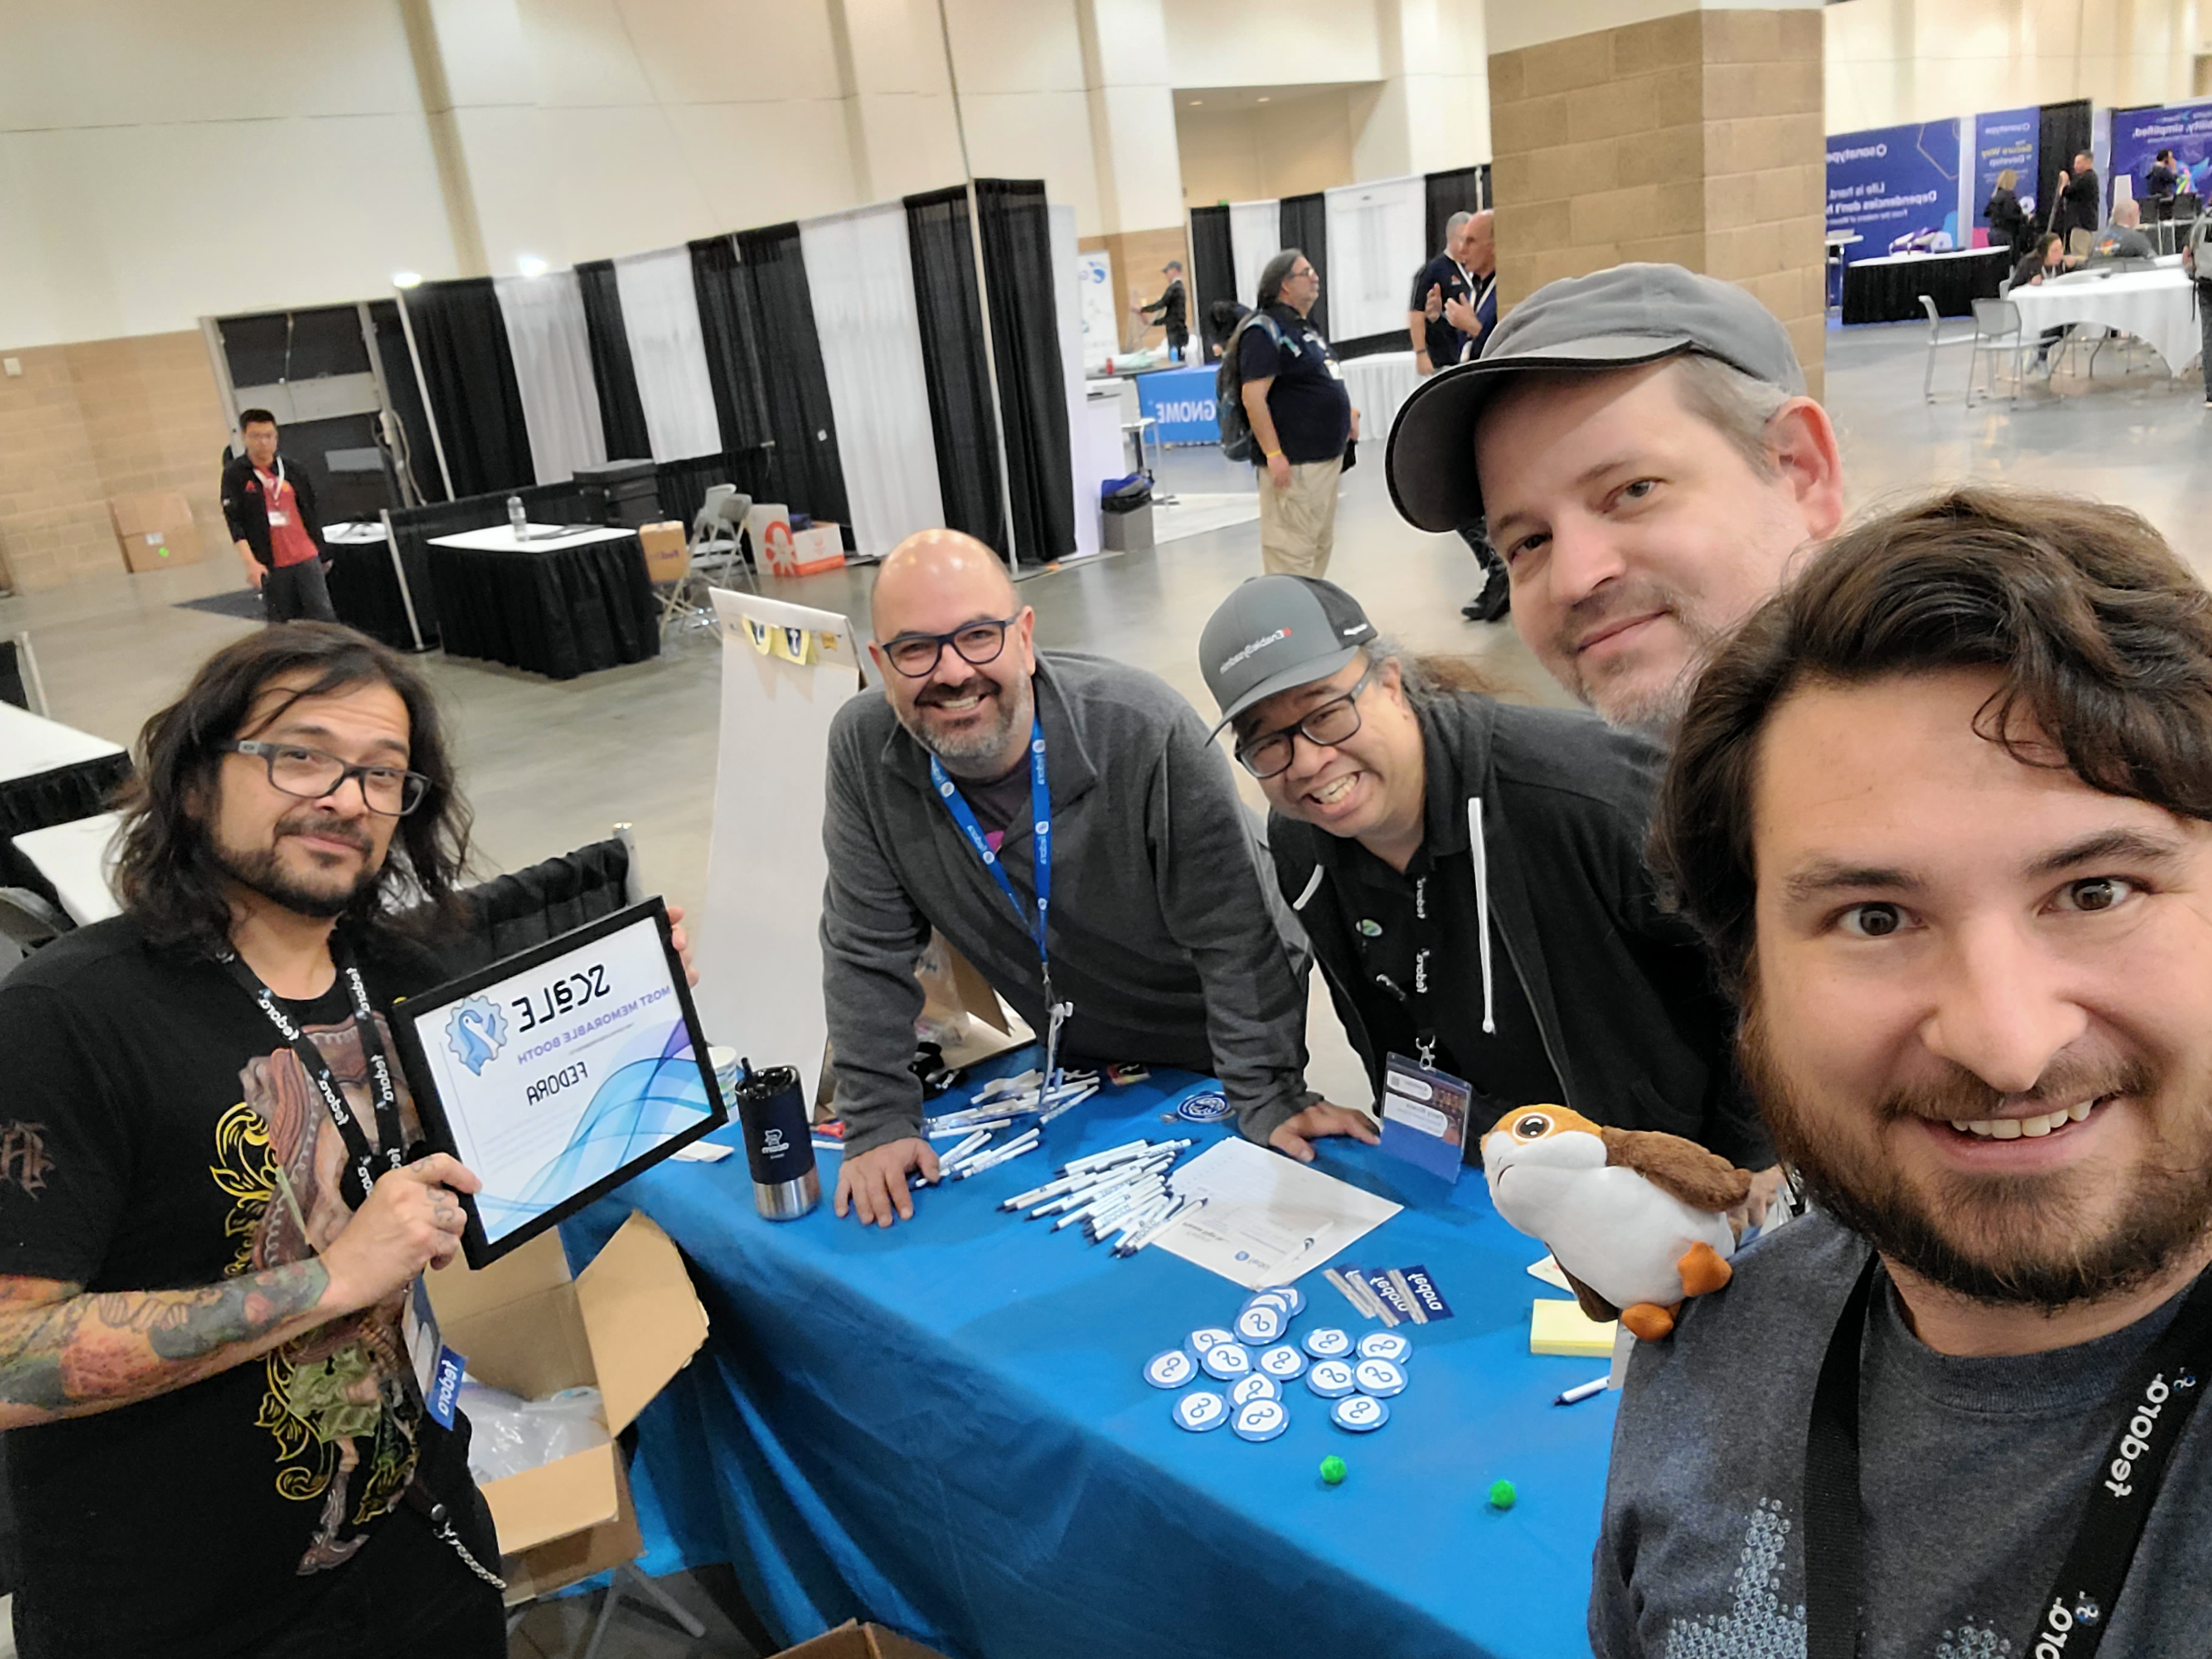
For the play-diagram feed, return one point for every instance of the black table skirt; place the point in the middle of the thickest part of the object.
(61, 796)
(365, 593)
(557, 613)
(1891, 293)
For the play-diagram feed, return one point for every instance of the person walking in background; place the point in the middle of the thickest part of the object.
(2008, 219)
(2197, 260)
(1303, 421)
(2081, 202)
(274, 526)
(1171, 310)
(1436, 342)
(2160, 182)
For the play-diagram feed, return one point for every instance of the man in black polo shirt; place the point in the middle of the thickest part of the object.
(1436, 342)
(1172, 308)
(1303, 421)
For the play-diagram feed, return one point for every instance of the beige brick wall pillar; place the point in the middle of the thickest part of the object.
(1696, 138)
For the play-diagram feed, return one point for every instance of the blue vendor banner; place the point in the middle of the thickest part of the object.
(1182, 401)
(1896, 186)
(2138, 135)
(2004, 138)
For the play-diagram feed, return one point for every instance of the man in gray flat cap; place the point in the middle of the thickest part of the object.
(1635, 537)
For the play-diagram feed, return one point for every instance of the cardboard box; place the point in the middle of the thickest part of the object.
(783, 551)
(625, 1325)
(154, 530)
(667, 555)
(818, 547)
(854, 1640)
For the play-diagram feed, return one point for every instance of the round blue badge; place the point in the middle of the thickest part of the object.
(1385, 1345)
(1200, 1341)
(1331, 1379)
(1227, 1360)
(1328, 1343)
(1274, 1299)
(1200, 1410)
(1282, 1362)
(1261, 1419)
(1260, 1324)
(1359, 1413)
(1208, 1106)
(1171, 1370)
(1380, 1377)
(1296, 1298)
(1258, 1386)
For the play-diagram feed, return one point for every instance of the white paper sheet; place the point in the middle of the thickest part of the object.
(1269, 1218)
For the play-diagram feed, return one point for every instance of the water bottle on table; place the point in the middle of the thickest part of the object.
(779, 1143)
(517, 520)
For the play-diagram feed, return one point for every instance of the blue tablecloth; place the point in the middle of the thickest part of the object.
(943, 1426)
(1182, 401)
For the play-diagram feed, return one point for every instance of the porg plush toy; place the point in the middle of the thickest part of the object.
(1637, 1220)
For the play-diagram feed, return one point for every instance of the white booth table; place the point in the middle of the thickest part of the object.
(2156, 307)
(74, 858)
(50, 773)
(1379, 386)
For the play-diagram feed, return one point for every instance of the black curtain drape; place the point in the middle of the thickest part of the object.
(406, 395)
(951, 315)
(468, 376)
(726, 322)
(1017, 259)
(622, 415)
(1462, 190)
(765, 362)
(1214, 273)
(790, 383)
(1305, 226)
(2062, 134)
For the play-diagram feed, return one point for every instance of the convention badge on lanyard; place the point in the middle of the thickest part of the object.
(275, 498)
(364, 1163)
(1041, 819)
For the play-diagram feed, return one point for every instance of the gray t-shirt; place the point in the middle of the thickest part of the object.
(1972, 1473)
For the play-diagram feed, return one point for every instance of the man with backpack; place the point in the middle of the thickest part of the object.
(1284, 406)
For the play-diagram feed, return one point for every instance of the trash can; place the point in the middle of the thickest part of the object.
(1126, 505)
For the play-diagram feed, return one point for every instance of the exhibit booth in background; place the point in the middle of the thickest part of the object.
(1905, 204)
(2138, 135)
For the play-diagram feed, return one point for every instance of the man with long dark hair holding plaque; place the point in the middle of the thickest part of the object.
(208, 1221)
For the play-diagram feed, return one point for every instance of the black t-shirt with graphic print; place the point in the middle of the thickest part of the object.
(156, 1134)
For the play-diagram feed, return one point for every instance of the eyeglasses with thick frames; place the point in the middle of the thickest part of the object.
(391, 791)
(1323, 726)
(976, 643)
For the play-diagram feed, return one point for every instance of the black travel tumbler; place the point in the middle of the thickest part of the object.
(779, 1144)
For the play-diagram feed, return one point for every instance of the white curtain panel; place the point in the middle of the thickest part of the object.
(1375, 250)
(552, 350)
(859, 277)
(1067, 295)
(1255, 236)
(660, 315)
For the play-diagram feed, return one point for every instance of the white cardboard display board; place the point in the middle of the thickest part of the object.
(760, 943)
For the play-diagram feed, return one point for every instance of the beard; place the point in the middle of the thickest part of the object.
(322, 897)
(979, 748)
(2010, 1240)
(1624, 703)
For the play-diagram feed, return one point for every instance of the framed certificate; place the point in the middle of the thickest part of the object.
(558, 1074)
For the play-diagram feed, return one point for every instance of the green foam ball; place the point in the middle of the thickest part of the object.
(1502, 1495)
(1332, 1470)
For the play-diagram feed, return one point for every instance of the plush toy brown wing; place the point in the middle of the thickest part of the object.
(1592, 1306)
(1702, 1180)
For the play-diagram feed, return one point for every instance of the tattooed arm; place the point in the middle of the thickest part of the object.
(65, 1351)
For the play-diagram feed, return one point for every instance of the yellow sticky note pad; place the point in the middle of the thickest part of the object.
(1556, 1327)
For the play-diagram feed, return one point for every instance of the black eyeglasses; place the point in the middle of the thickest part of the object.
(392, 791)
(1324, 725)
(977, 643)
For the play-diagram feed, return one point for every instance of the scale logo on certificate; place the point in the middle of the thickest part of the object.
(559, 1074)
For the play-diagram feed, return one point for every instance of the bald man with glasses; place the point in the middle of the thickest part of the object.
(1145, 919)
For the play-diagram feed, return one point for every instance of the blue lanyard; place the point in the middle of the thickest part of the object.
(1040, 816)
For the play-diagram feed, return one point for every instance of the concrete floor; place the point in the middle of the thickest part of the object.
(550, 766)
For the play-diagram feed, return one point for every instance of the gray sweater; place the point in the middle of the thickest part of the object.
(1160, 934)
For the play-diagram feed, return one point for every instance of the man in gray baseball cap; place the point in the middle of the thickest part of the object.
(1638, 446)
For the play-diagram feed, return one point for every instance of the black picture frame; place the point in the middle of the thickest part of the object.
(477, 1247)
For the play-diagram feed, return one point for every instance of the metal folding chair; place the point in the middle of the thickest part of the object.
(1937, 340)
(1996, 333)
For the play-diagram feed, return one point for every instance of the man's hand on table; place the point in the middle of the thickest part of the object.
(1296, 1135)
(873, 1183)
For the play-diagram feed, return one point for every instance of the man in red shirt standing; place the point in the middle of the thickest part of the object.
(272, 520)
